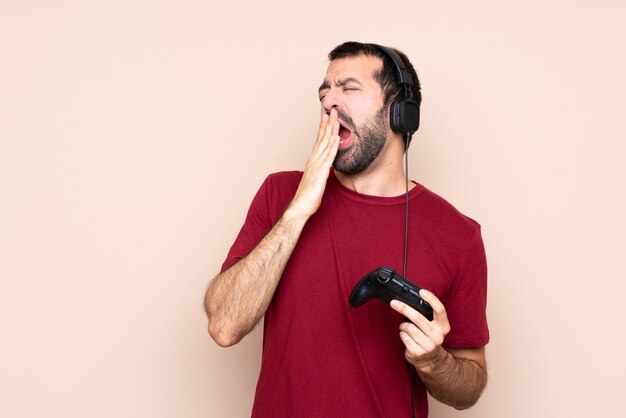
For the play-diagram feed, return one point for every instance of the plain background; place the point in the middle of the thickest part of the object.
(133, 135)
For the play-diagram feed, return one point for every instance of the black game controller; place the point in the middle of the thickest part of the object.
(386, 285)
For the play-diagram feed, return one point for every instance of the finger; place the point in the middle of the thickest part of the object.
(409, 342)
(330, 125)
(334, 131)
(414, 316)
(324, 132)
(439, 310)
(417, 335)
(327, 145)
(331, 150)
(323, 122)
(320, 130)
(413, 350)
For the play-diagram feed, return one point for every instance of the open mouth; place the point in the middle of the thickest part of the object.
(344, 132)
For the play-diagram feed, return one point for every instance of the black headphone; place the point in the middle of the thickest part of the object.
(404, 113)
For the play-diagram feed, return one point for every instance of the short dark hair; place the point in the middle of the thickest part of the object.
(386, 77)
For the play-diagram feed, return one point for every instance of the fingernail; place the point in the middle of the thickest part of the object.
(394, 304)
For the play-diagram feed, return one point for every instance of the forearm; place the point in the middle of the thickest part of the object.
(237, 299)
(456, 381)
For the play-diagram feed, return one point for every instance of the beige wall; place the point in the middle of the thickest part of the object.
(133, 135)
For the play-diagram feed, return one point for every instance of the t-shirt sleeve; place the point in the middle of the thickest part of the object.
(257, 224)
(467, 300)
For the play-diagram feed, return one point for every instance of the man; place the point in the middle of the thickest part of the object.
(310, 237)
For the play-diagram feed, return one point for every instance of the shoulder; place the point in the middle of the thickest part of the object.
(284, 179)
(282, 184)
(445, 220)
(277, 191)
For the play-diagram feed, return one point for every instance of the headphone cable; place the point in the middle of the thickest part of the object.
(406, 206)
(407, 139)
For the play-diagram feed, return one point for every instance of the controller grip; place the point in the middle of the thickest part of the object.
(385, 284)
(361, 293)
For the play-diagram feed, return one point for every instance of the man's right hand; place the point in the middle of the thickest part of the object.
(237, 298)
(308, 197)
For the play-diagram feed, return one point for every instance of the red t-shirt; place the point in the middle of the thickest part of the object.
(322, 358)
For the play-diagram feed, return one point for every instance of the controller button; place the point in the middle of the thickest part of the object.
(383, 275)
(405, 289)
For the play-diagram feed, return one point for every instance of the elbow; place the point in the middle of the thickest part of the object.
(460, 406)
(470, 400)
(222, 337)
(217, 328)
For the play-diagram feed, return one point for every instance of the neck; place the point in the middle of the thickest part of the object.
(384, 177)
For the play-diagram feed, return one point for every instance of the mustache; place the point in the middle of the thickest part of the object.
(347, 120)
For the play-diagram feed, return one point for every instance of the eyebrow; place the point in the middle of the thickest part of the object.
(339, 83)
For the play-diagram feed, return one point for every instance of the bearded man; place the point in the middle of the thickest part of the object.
(310, 236)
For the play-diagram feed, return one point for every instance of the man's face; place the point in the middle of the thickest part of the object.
(350, 88)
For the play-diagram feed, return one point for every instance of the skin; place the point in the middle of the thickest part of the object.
(236, 299)
(456, 377)
(352, 89)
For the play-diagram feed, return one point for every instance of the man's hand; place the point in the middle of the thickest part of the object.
(421, 337)
(308, 197)
(237, 298)
(456, 377)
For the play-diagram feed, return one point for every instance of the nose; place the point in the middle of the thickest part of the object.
(330, 100)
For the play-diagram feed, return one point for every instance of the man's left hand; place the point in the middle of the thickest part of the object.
(421, 337)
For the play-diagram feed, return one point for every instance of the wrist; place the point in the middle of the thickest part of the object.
(295, 215)
(297, 212)
(436, 360)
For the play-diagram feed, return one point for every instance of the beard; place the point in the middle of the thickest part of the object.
(367, 142)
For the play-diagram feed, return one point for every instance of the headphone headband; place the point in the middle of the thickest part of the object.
(403, 76)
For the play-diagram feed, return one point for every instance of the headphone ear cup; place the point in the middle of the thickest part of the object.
(404, 116)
